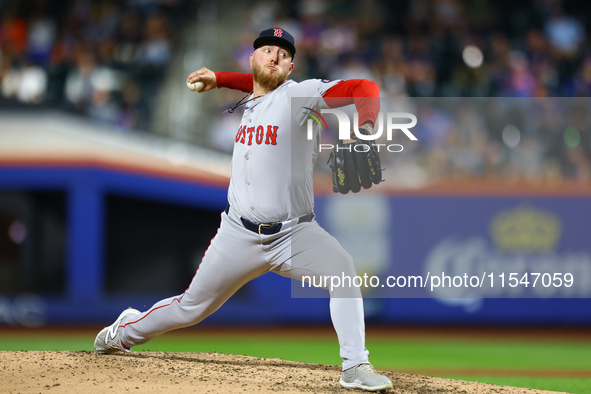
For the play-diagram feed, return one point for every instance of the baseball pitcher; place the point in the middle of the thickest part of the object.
(269, 218)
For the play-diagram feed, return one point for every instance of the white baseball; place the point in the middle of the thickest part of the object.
(196, 87)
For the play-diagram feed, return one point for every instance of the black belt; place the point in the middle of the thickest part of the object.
(269, 228)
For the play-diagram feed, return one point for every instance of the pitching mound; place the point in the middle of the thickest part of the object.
(157, 372)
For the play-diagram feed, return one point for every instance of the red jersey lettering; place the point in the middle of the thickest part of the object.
(240, 135)
(271, 135)
(250, 130)
(257, 134)
(260, 133)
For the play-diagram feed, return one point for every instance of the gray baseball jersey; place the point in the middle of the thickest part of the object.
(273, 161)
(271, 181)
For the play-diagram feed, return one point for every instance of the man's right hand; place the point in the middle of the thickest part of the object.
(206, 76)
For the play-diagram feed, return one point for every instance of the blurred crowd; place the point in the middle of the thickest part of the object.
(514, 141)
(106, 59)
(418, 47)
(456, 48)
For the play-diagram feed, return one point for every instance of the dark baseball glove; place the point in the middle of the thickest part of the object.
(355, 165)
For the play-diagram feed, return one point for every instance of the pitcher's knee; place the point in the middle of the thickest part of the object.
(346, 290)
(348, 266)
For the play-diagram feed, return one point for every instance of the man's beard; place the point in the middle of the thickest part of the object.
(269, 82)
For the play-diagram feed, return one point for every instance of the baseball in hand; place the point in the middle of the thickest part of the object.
(196, 87)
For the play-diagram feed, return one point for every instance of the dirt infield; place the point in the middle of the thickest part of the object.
(158, 372)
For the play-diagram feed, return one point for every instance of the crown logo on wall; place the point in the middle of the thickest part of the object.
(526, 229)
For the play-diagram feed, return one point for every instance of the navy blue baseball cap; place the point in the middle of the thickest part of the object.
(276, 36)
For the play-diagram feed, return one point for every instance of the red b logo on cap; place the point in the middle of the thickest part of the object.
(278, 32)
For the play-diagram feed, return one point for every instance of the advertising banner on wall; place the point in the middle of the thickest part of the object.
(464, 247)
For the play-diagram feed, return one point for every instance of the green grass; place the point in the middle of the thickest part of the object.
(445, 357)
(503, 354)
(47, 342)
(321, 351)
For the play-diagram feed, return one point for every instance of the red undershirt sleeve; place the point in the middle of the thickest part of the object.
(361, 92)
(236, 81)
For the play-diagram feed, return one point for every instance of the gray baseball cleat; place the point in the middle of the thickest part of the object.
(107, 341)
(364, 377)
